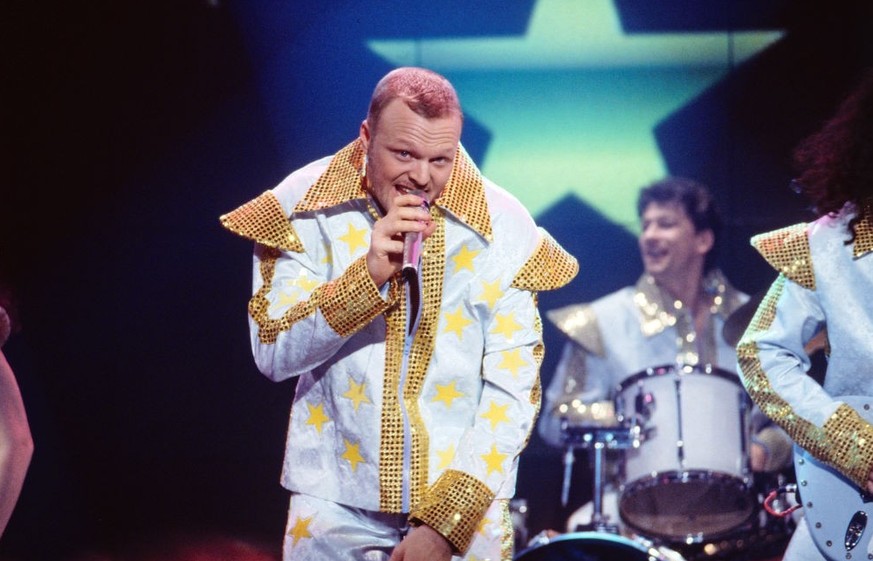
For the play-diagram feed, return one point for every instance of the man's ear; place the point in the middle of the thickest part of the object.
(705, 241)
(365, 135)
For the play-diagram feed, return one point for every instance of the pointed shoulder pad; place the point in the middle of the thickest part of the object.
(263, 220)
(579, 323)
(787, 250)
(548, 268)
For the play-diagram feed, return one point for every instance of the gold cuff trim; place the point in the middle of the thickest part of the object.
(263, 220)
(454, 506)
(787, 250)
(549, 267)
(351, 301)
(844, 442)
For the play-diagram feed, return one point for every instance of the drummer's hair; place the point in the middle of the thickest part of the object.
(694, 198)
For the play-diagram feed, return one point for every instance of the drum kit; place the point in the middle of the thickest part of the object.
(686, 490)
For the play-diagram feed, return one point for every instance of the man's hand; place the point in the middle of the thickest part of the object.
(422, 543)
(870, 482)
(385, 256)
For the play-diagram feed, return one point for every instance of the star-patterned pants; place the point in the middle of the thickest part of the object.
(320, 530)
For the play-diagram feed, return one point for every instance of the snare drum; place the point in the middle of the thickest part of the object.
(597, 546)
(690, 480)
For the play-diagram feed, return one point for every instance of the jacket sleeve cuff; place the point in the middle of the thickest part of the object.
(352, 301)
(454, 506)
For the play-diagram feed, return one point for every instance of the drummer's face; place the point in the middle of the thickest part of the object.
(669, 244)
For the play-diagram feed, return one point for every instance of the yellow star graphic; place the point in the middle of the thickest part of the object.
(447, 393)
(356, 393)
(306, 283)
(445, 456)
(317, 418)
(464, 258)
(300, 529)
(456, 321)
(506, 325)
(352, 454)
(491, 292)
(483, 525)
(512, 361)
(577, 48)
(285, 300)
(496, 414)
(328, 255)
(494, 460)
(354, 239)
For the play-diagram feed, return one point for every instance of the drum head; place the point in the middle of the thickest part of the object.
(595, 546)
(687, 507)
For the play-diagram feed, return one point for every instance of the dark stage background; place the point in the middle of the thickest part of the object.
(129, 127)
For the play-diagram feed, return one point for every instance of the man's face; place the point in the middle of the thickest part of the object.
(669, 245)
(407, 151)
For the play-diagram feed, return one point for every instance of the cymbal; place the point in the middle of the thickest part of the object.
(737, 322)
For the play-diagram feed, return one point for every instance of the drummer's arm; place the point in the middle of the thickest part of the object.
(575, 378)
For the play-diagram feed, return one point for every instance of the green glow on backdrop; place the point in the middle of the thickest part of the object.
(572, 104)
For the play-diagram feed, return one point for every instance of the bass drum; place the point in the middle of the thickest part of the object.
(596, 546)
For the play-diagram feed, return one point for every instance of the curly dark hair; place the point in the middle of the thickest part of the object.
(694, 198)
(836, 162)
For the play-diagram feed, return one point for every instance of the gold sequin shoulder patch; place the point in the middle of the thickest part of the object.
(549, 267)
(263, 220)
(863, 236)
(579, 323)
(787, 250)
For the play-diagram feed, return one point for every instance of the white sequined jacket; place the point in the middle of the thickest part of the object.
(823, 283)
(431, 423)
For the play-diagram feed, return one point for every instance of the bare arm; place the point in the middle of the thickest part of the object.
(16, 443)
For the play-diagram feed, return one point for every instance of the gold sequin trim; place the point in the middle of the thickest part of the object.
(549, 267)
(464, 195)
(391, 447)
(259, 305)
(844, 442)
(579, 323)
(340, 182)
(787, 250)
(863, 236)
(454, 506)
(263, 220)
(351, 301)
(433, 266)
(507, 530)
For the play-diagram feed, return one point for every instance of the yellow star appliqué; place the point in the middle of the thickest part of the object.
(447, 393)
(464, 258)
(306, 283)
(496, 414)
(317, 418)
(494, 460)
(300, 529)
(512, 361)
(483, 525)
(354, 238)
(491, 292)
(445, 456)
(352, 454)
(356, 393)
(506, 325)
(456, 321)
(285, 300)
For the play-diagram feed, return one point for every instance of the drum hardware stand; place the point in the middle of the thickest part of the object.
(599, 439)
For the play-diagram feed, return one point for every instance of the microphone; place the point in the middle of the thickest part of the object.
(412, 246)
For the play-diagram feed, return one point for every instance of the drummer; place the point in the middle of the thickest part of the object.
(674, 315)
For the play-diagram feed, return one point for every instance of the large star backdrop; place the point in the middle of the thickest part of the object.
(130, 127)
